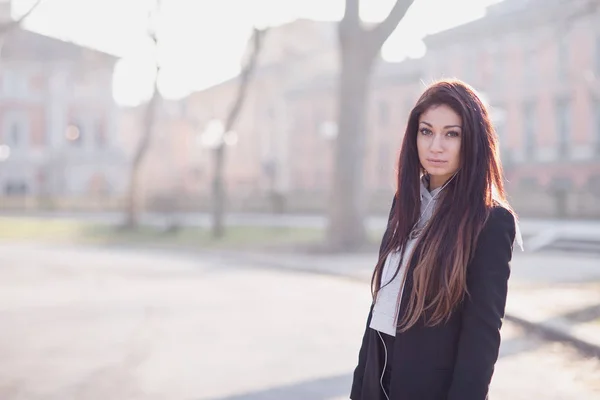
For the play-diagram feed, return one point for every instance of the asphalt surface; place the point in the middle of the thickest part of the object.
(86, 323)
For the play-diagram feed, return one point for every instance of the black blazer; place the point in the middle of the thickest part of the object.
(455, 360)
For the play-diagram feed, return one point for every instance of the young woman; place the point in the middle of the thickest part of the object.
(439, 288)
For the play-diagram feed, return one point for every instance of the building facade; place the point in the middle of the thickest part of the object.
(536, 62)
(58, 120)
(258, 158)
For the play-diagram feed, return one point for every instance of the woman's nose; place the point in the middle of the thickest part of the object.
(436, 144)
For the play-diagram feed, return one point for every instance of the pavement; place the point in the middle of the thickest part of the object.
(96, 323)
(582, 229)
(541, 234)
(554, 293)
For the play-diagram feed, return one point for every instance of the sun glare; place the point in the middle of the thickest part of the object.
(202, 41)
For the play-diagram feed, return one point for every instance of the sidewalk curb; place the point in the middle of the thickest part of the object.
(554, 334)
(550, 332)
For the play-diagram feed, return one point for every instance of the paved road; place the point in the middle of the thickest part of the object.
(89, 324)
(570, 228)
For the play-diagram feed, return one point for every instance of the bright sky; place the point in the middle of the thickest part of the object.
(202, 40)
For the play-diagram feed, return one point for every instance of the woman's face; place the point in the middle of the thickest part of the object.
(438, 143)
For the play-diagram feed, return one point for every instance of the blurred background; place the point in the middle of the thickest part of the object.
(192, 192)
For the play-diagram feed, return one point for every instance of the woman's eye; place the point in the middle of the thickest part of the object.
(452, 134)
(425, 131)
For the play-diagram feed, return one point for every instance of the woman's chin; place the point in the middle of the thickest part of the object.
(438, 170)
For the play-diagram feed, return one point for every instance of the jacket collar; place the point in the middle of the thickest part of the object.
(426, 195)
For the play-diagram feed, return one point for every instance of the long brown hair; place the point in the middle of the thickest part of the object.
(447, 243)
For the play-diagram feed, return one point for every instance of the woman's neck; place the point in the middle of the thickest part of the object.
(436, 182)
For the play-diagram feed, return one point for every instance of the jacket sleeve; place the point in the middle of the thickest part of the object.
(359, 371)
(483, 310)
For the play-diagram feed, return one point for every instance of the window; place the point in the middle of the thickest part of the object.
(528, 182)
(270, 113)
(496, 61)
(597, 55)
(500, 131)
(99, 133)
(563, 126)
(562, 57)
(499, 121)
(384, 113)
(497, 114)
(384, 158)
(15, 134)
(528, 66)
(596, 124)
(15, 130)
(15, 188)
(470, 65)
(499, 67)
(529, 129)
(14, 83)
(594, 184)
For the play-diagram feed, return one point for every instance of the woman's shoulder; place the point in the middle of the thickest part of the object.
(500, 221)
(499, 213)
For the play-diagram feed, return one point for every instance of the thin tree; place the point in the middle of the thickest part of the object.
(13, 24)
(219, 196)
(134, 201)
(359, 49)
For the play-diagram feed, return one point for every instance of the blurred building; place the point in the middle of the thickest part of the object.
(537, 63)
(258, 159)
(168, 173)
(58, 119)
(312, 133)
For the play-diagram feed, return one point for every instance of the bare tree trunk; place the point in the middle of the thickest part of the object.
(8, 26)
(359, 48)
(133, 207)
(219, 192)
(347, 206)
(134, 196)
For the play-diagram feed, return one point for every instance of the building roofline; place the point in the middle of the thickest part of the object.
(20, 33)
(505, 17)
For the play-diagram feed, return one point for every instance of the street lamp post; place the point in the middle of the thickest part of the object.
(328, 130)
(214, 137)
(4, 155)
(4, 152)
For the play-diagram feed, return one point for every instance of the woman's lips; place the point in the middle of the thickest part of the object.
(436, 162)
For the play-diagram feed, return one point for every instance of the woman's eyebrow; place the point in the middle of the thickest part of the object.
(446, 127)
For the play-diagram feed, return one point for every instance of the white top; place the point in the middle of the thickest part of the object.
(385, 311)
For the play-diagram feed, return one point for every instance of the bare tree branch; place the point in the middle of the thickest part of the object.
(359, 48)
(257, 40)
(218, 228)
(149, 118)
(133, 201)
(350, 29)
(384, 29)
(351, 13)
(9, 26)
